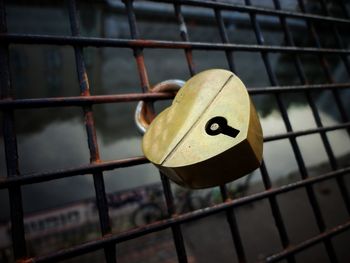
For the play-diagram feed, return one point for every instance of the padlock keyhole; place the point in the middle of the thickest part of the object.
(219, 125)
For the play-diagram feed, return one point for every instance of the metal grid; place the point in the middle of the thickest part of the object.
(96, 167)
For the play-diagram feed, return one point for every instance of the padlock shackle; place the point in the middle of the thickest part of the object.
(171, 86)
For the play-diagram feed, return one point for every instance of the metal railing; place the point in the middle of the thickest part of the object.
(15, 180)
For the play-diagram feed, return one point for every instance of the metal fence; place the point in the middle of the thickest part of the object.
(107, 242)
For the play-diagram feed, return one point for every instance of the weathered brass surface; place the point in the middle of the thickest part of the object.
(210, 135)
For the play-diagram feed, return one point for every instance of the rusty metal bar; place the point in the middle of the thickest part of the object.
(175, 229)
(276, 212)
(304, 81)
(232, 222)
(138, 53)
(96, 167)
(82, 170)
(230, 213)
(140, 43)
(336, 33)
(288, 187)
(256, 10)
(325, 67)
(101, 200)
(246, 9)
(265, 176)
(300, 161)
(132, 161)
(129, 97)
(81, 100)
(161, 225)
(306, 132)
(224, 38)
(340, 182)
(346, 63)
(317, 210)
(326, 235)
(266, 179)
(11, 152)
(184, 36)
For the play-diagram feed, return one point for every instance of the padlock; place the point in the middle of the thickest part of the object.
(210, 135)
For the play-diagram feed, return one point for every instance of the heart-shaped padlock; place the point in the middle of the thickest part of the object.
(210, 135)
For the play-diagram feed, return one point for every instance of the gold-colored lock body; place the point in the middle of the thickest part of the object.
(210, 135)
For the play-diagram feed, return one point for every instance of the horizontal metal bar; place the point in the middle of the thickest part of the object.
(297, 88)
(100, 99)
(179, 219)
(84, 87)
(255, 10)
(81, 101)
(306, 132)
(141, 7)
(10, 149)
(141, 43)
(105, 166)
(148, 11)
(308, 243)
(82, 170)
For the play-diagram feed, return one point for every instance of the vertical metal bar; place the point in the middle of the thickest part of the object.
(302, 168)
(176, 229)
(265, 176)
(230, 214)
(266, 179)
(140, 61)
(101, 200)
(11, 153)
(304, 81)
(325, 66)
(276, 212)
(231, 219)
(224, 38)
(184, 37)
(138, 53)
(337, 37)
(319, 218)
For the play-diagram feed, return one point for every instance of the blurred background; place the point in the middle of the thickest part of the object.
(62, 213)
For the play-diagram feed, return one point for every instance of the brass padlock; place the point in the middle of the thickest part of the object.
(210, 135)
